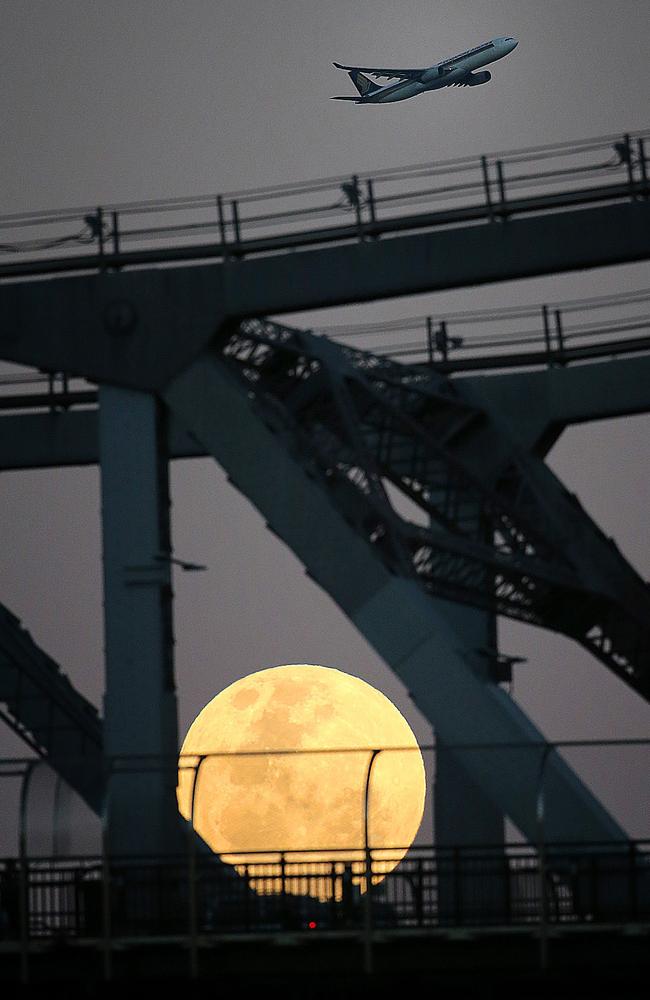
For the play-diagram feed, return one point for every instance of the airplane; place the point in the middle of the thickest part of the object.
(459, 71)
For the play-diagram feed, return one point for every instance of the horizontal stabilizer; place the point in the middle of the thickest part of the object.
(355, 99)
(380, 72)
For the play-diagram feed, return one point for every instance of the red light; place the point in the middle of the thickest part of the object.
(312, 925)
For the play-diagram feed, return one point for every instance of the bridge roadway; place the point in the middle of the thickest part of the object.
(585, 963)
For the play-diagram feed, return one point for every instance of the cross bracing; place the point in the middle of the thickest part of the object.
(48, 713)
(341, 432)
(325, 517)
(498, 542)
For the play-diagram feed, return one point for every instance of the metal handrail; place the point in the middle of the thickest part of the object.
(372, 199)
(580, 339)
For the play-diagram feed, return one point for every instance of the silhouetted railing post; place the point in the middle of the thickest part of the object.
(247, 897)
(100, 231)
(357, 204)
(558, 331)
(368, 963)
(458, 911)
(370, 196)
(23, 877)
(115, 232)
(192, 893)
(486, 186)
(419, 896)
(627, 145)
(235, 221)
(222, 223)
(107, 956)
(547, 331)
(430, 340)
(593, 869)
(643, 165)
(633, 911)
(502, 189)
(507, 889)
(540, 816)
(283, 875)
(442, 341)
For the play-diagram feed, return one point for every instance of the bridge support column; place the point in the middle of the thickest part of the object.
(140, 699)
(464, 816)
(409, 630)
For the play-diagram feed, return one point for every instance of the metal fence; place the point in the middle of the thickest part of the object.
(144, 897)
(360, 206)
(364, 892)
(556, 333)
(476, 340)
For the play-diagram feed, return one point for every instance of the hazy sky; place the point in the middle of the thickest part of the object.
(138, 99)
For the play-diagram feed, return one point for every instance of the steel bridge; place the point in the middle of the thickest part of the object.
(427, 481)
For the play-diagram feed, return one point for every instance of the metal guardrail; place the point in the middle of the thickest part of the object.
(105, 899)
(515, 336)
(358, 207)
(544, 335)
(110, 904)
(477, 887)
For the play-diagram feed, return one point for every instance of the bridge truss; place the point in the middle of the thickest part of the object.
(427, 494)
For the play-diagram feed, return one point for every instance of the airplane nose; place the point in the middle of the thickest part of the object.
(514, 42)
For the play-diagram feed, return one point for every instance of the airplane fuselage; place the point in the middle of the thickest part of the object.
(443, 74)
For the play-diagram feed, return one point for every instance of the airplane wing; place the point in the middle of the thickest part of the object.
(387, 74)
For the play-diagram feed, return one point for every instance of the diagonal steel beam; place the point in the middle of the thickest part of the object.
(508, 537)
(48, 713)
(331, 520)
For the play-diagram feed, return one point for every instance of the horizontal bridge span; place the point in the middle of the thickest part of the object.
(349, 231)
(470, 252)
(312, 213)
(538, 404)
(140, 328)
(437, 260)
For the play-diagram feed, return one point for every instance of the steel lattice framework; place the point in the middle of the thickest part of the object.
(48, 713)
(367, 426)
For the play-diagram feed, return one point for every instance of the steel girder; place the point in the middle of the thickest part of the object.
(504, 535)
(331, 518)
(536, 406)
(46, 711)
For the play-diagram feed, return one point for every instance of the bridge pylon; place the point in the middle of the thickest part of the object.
(140, 718)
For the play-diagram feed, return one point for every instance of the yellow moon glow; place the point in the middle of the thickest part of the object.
(251, 803)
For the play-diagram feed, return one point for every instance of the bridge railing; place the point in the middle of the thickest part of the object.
(359, 206)
(51, 891)
(436, 888)
(515, 336)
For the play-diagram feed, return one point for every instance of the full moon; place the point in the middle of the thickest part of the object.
(291, 750)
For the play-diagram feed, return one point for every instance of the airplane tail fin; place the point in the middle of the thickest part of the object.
(362, 83)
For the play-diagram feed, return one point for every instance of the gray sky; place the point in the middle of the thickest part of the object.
(140, 99)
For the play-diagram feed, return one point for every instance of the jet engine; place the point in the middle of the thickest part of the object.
(476, 79)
